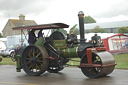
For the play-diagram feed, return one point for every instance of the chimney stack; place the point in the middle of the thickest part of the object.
(81, 26)
(22, 17)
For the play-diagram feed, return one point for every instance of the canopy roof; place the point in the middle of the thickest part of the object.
(43, 26)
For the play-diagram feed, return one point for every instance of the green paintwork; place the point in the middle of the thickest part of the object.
(66, 52)
(70, 52)
(39, 42)
(18, 63)
(59, 44)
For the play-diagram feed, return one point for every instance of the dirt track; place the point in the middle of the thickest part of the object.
(69, 76)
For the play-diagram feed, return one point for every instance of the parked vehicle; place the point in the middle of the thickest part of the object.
(2, 45)
(8, 51)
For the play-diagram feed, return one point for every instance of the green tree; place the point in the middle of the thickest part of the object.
(76, 30)
(97, 29)
(73, 28)
(89, 19)
(123, 30)
(87, 31)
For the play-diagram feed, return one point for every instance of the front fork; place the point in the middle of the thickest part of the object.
(90, 50)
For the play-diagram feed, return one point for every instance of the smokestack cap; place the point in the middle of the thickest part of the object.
(81, 14)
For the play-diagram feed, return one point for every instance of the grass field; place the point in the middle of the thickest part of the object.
(6, 61)
(121, 60)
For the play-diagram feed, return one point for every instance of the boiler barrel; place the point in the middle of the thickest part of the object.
(70, 52)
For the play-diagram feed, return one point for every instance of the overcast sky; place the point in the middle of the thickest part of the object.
(66, 11)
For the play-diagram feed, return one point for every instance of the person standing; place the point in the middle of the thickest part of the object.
(31, 37)
(40, 34)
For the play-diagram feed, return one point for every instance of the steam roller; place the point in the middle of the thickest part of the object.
(53, 52)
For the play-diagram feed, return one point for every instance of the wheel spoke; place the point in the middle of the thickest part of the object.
(38, 54)
(37, 50)
(30, 66)
(40, 58)
(91, 70)
(29, 53)
(27, 58)
(39, 61)
(41, 64)
(33, 52)
(98, 69)
(28, 62)
(37, 67)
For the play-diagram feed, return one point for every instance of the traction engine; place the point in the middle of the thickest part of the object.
(54, 52)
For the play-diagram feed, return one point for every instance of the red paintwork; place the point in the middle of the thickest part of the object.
(118, 51)
(106, 44)
(95, 65)
(119, 34)
(90, 50)
(51, 58)
(43, 26)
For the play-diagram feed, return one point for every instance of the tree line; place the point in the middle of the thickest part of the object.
(87, 20)
(97, 29)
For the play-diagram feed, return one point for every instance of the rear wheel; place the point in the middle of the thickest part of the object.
(34, 60)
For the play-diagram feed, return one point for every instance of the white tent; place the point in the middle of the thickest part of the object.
(102, 35)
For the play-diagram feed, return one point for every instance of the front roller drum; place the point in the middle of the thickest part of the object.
(103, 64)
(34, 60)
